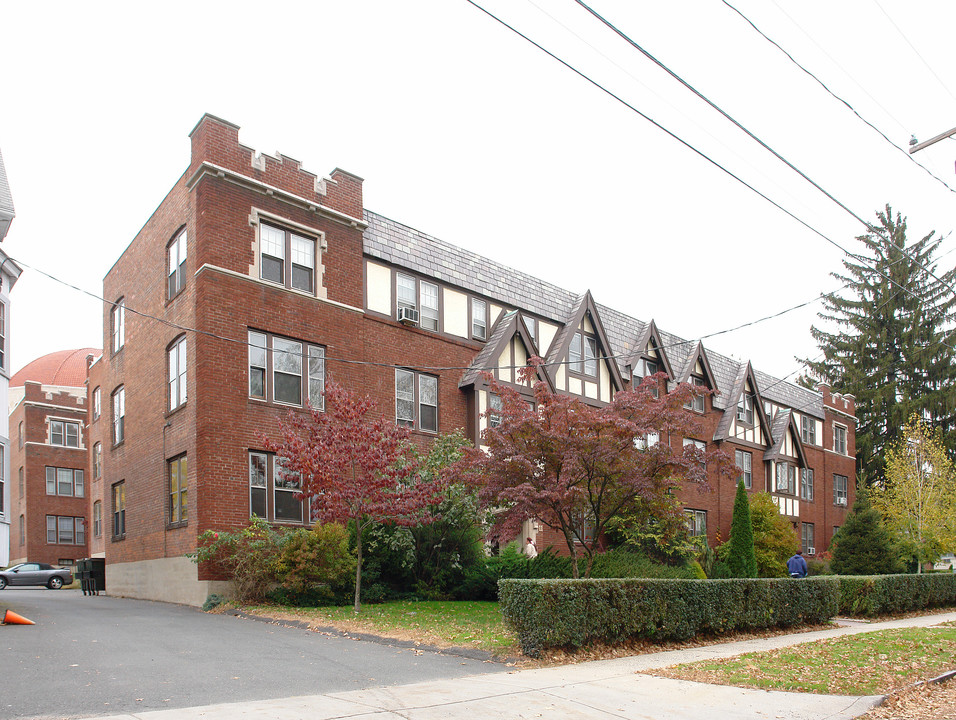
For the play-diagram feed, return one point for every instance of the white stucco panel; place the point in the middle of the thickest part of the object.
(456, 313)
(378, 288)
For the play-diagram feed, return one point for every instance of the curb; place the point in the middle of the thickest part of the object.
(463, 652)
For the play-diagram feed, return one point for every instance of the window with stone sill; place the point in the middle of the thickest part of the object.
(287, 258)
(274, 494)
(176, 265)
(416, 400)
(286, 371)
(65, 433)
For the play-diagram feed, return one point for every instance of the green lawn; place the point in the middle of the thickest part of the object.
(462, 624)
(866, 664)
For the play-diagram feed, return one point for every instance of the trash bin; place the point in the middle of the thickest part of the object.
(92, 575)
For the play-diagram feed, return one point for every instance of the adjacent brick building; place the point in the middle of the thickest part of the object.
(49, 458)
(255, 281)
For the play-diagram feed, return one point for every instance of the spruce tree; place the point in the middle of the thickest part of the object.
(741, 559)
(864, 546)
(891, 344)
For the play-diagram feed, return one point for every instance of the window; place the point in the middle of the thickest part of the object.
(645, 368)
(697, 522)
(494, 410)
(786, 478)
(583, 527)
(20, 434)
(647, 440)
(23, 530)
(96, 403)
(276, 245)
(61, 530)
(97, 461)
(479, 319)
(65, 482)
(839, 439)
(118, 324)
(3, 335)
(532, 325)
(806, 484)
(806, 538)
(700, 445)
(839, 490)
(744, 461)
(745, 409)
(119, 510)
(97, 518)
(176, 264)
(273, 494)
(416, 400)
(64, 433)
(20, 475)
(176, 356)
(286, 371)
(697, 402)
(582, 355)
(119, 415)
(176, 475)
(808, 430)
(405, 293)
(429, 313)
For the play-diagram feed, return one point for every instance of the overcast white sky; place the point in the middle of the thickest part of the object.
(465, 131)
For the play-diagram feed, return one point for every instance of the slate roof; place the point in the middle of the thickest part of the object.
(400, 245)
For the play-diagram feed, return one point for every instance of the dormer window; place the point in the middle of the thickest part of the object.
(745, 409)
(582, 355)
(697, 402)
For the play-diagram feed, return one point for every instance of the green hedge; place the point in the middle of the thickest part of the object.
(886, 594)
(572, 613)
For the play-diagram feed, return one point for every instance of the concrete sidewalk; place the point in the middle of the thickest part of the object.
(601, 689)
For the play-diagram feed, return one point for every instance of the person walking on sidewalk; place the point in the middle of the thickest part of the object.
(797, 566)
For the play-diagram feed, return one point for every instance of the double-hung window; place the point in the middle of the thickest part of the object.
(176, 356)
(806, 538)
(416, 400)
(428, 293)
(176, 265)
(285, 371)
(745, 409)
(287, 258)
(66, 482)
(839, 439)
(494, 410)
(97, 518)
(806, 484)
(744, 462)
(696, 522)
(274, 495)
(786, 478)
(97, 461)
(479, 319)
(839, 490)
(118, 324)
(97, 403)
(645, 368)
(697, 402)
(119, 415)
(700, 446)
(406, 296)
(65, 433)
(582, 354)
(808, 430)
(62, 530)
(118, 497)
(176, 477)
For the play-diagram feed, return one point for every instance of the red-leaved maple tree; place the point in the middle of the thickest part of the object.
(352, 463)
(567, 464)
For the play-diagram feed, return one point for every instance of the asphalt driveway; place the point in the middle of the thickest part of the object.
(104, 656)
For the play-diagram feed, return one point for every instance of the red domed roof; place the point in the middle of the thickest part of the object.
(66, 368)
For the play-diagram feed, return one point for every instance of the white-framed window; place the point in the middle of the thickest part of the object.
(495, 407)
(406, 293)
(176, 265)
(744, 462)
(479, 319)
(700, 445)
(416, 400)
(806, 538)
(65, 482)
(697, 402)
(583, 527)
(745, 409)
(63, 530)
(119, 415)
(696, 522)
(287, 258)
(65, 433)
(839, 439)
(118, 324)
(97, 518)
(273, 494)
(97, 461)
(806, 484)
(808, 430)
(645, 367)
(176, 356)
(582, 355)
(285, 371)
(176, 487)
(840, 490)
(97, 403)
(786, 478)
(532, 325)
(428, 318)
(647, 440)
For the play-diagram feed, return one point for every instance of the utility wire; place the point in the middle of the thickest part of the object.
(840, 99)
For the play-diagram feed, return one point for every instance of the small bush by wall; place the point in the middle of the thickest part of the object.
(885, 594)
(571, 613)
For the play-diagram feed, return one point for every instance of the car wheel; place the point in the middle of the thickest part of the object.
(3, 583)
(55, 583)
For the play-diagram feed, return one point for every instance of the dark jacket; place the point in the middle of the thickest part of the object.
(797, 566)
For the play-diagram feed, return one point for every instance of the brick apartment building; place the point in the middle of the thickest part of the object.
(255, 281)
(49, 456)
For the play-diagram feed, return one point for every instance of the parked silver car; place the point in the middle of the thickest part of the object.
(36, 574)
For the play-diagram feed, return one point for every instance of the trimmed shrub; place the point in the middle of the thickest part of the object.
(740, 558)
(623, 564)
(871, 595)
(315, 567)
(571, 613)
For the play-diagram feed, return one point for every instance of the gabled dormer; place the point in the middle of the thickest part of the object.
(697, 372)
(787, 465)
(649, 357)
(744, 419)
(580, 360)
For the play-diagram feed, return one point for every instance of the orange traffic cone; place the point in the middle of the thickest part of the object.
(11, 618)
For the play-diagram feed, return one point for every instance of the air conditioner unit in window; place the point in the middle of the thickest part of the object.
(811, 551)
(841, 501)
(408, 316)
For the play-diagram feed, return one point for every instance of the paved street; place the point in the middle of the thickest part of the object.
(103, 656)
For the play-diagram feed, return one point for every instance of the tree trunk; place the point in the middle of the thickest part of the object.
(357, 607)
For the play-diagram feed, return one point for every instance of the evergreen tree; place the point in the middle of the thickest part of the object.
(892, 340)
(864, 546)
(741, 559)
